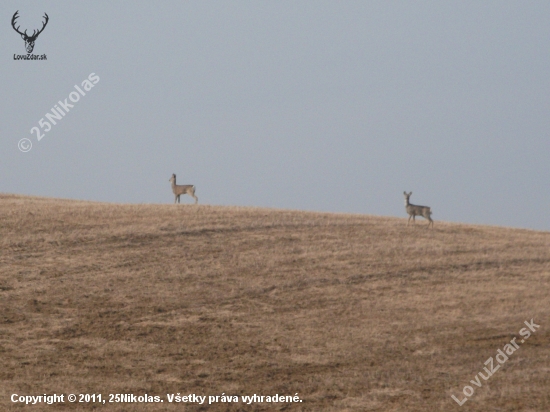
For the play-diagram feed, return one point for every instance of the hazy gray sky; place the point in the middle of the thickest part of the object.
(319, 105)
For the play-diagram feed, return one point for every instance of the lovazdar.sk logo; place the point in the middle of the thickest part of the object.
(29, 40)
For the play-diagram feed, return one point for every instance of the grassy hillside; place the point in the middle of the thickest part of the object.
(352, 312)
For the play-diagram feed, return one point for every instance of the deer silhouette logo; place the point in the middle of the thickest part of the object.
(29, 40)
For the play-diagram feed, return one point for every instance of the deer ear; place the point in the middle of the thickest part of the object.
(23, 36)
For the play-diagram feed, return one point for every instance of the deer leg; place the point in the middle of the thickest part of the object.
(191, 193)
(428, 216)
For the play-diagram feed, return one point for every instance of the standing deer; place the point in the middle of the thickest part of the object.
(414, 210)
(182, 190)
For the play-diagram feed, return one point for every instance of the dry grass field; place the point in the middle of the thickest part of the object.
(352, 312)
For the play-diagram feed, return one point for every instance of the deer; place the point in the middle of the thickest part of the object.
(29, 40)
(182, 190)
(414, 210)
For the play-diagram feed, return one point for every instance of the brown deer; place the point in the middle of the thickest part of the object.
(182, 190)
(414, 210)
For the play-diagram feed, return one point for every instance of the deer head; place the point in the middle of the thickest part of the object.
(29, 40)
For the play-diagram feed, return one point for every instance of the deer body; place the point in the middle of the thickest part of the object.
(182, 190)
(414, 210)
